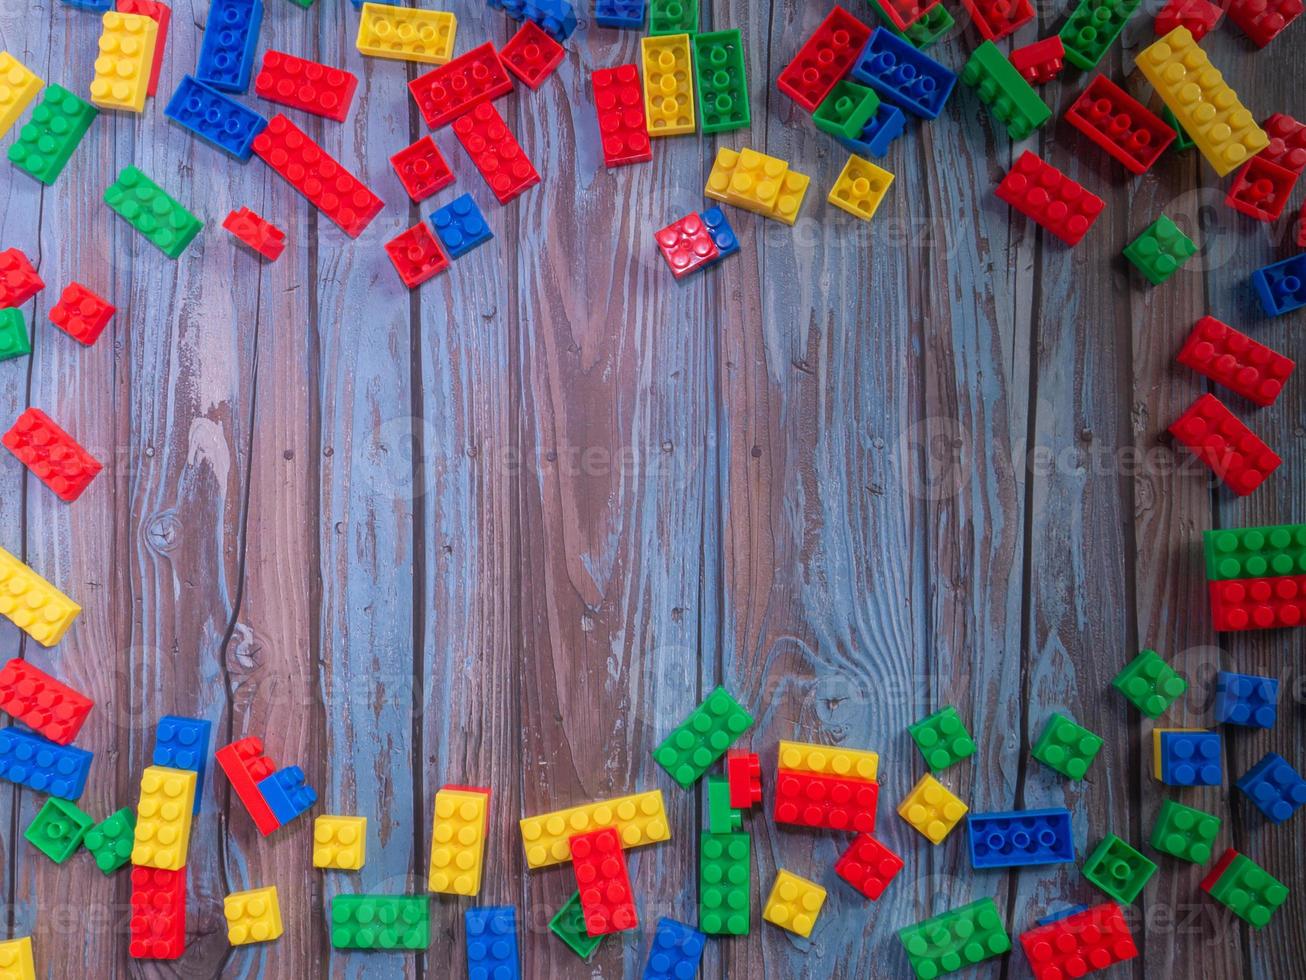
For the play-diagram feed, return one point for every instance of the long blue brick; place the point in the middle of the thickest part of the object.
(37, 763)
(230, 37)
(183, 743)
(214, 117)
(1020, 838)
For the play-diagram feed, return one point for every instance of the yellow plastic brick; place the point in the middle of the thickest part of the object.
(640, 819)
(1208, 110)
(253, 916)
(406, 35)
(458, 842)
(18, 87)
(794, 903)
(829, 760)
(122, 71)
(860, 188)
(163, 818)
(339, 842)
(931, 809)
(16, 959)
(793, 188)
(34, 605)
(755, 181)
(668, 85)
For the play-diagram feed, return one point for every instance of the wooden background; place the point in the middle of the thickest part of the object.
(508, 529)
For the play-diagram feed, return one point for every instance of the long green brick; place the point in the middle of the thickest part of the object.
(385, 922)
(702, 738)
(52, 134)
(148, 208)
(672, 17)
(1255, 552)
(1093, 28)
(924, 31)
(956, 939)
(724, 883)
(722, 87)
(1004, 90)
(1243, 886)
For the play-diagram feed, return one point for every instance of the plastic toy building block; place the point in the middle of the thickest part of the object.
(1261, 189)
(995, 19)
(909, 79)
(794, 903)
(1087, 941)
(793, 188)
(339, 842)
(879, 132)
(18, 87)
(1043, 193)
(183, 743)
(758, 183)
(675, 952)
(95, 6)
(111, 840)
(1245, 699)
(252, 916)
(495, 152)
(1208, 109)
(215, 117)
(1199, 16)
(1020, 838)
(1040, 62)
(16, 959)
(623, 129)
(931, 809)
(460, 226)
(832, 802)
(386, 922)
(81, 314)
(672, 17)
(1243, 886)
(1287, 145)
(1301, 228)
(226, 58)
(14, 340)
(39, 764)
(724, 883)
(32, 604)
(1281, 287)
(54, 456)
(1264, 20)
(687, 246)
(1258, 603)
(245, 767)
(19, 281)
(721, 82)
(640, 819)
(557, 18)
(158, 914)
(1275, 787)
(147, 208)
(416, 255)
(422, 169)
(942, 739)
(287, 793)
(46, 142)
(1233, 452)
(126, 59)
(704, 736)
(868, 865)
(1060, 914)
(1066, 747)
(1093, 27)
(569, 926)
(1184, 832)
(825, 58)
(846, 110)
(921, 32)
(722, 818)
(955, 940)
(605, 894)
(860, 187)
(458, 841)
(425, 36)
(445, 93)
(307, 85)
(620, 14)
(1120, 124)
(1004, 90)
(723, 237)
(40, 702)
(1233, 359)
(1186, 757)
(531, 55)
(902, 15)
(492, 943)
(743, 768)
(668, 85)
(1118, 869)
(309, 169)
(1149, 683)
(262, 236)
(57, 829)
(163, 818)
(161, 14)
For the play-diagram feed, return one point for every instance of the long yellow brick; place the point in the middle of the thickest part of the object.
(122, 70)
(402, 34)
(34, 605)
(457, 842)
(668, 85)
(828, 760)
(163, 818)
(18, 87)
(640, 819)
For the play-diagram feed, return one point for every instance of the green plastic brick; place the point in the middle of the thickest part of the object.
(1184, 832)
(57, 126)
(927, 28)
(724, 883)
(57, 829)
(148, 209)
(1255, 552)
(1247, 889)
(1160, 250)
(1182, 141)
(386, 922)
(721, 82)
(1010, 98)
(569, 926)
(1068, 748)
(1093, 28)
(942, 739)
(955, 940)
(302, 3)
(1118, 869)
(702, 738)
(722, 818)
(110, 840)
(14, 339)
(1150, 684)
(846, 110)
(672, 17)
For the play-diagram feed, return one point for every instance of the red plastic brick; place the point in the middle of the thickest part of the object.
(262, 236)
(623, 128)
(824, 59)
(833, 802)
(744, 775)
(161, 14)
(868, 866)
(687, 245)
(606, 897)
(1258, 603)
(158, 914)
(1263, 20)
(245, 764)
(495, 151)
(446, 92)
(81, 314)
(1233, 452)
(1199, 16)
(312, 171)
(422, 169)
(42, 703)
(1120, 124)
(307, 85)
(56, 458)
(995, 19)
(904, 13)
(1261, 189)
(1301, 227)
(1043, 193)
(1079, 944)
(416, 255)
(18, 279)
(1287, 145)
(1040, 62)
(1233, 359)
(531, 55)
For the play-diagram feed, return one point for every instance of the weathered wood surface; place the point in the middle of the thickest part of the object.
(508, 529)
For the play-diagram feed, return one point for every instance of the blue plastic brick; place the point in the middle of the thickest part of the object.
(460, 226)
(1275, 787)
(98, 6)
(492, 943)
(675, 951)
(39, 764)
(215, 117)
(1065, 913)
(227, 51)
(621, 14)
(287, 794)
(183, 743)
(714, 219)
(1021, 838)
(1245, 699)
(903, 75)
(1191, 759)
(1282, 286)
(557, 18)
(883, 128)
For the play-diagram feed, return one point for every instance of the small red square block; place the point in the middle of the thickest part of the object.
(18, 279)
(687, 245)
(1040, 62)
(416, 255)
(1261, 189)
(868, 866)
(81, 314)
(422, 169)
(531, 55)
